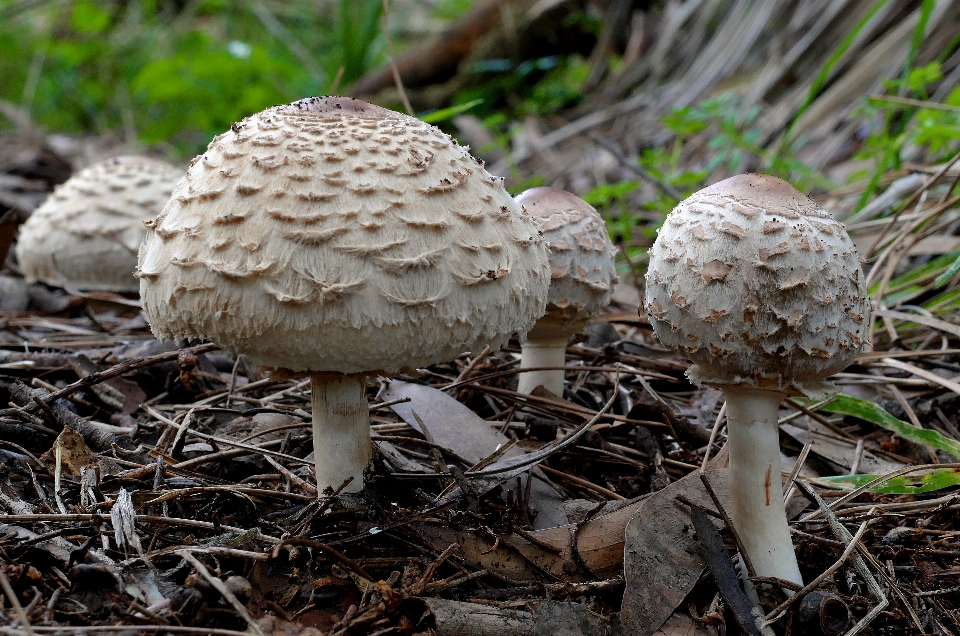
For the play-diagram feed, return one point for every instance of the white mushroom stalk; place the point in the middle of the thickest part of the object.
(756, 493)
(337, 239)
(341, 429)
(543, 352)
(86, 234)
(763, 291)
(582, 277)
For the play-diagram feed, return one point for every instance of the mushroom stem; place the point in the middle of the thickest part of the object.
(542, 353)
(756, 489)
(341, 430)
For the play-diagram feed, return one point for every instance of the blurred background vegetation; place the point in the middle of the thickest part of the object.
(178, 72)
(632, 104)
(175, 73)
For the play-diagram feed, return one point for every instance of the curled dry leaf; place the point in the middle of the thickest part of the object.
(72, 451)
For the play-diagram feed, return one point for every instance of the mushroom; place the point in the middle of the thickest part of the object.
(762, 289)
(339, 239)
(582, 276)
(87, 232)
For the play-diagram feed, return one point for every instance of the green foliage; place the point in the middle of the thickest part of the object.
(951, 271)
(207, 86)
(821, 79)
(503, 132)
(611, 201)
(732, 139)
(920, 78)
(177, 72)
(908, 285)
(896, 127)
(935, 130)
(560, 87)
(358, 46)
(87, 17)
(664, 167)
(524, 183)
(451, 9)
(534, 87)
(585, 21)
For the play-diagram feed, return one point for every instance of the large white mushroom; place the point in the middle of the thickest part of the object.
(582, 277)
(339, 239)
(763, 291)
(86, 234)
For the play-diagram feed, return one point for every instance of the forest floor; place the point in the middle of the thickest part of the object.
(147, 488)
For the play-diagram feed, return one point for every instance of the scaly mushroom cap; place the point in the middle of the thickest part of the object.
(758, 286)
(333, 235)
(86, 234)
(582, 270)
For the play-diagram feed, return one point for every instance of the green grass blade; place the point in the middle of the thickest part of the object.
(945, 277)
(449, 113)
(895, 126)
(904, 485)
(947, 301)
(870, 412)
(370, 14)
(920, 274)
(915, 42)
(824, 74)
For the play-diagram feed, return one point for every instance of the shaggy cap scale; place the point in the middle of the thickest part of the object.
(758, 286)
(333, 235)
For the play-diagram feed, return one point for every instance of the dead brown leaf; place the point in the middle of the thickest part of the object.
(74, 452)
(662, 561)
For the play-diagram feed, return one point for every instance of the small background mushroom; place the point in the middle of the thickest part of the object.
(582, 276)
(87, 233)
(341, 239)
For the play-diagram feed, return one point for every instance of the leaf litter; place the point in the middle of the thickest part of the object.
(168, 489)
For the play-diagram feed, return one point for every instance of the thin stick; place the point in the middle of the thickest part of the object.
(467, 370)
(58, 473)
(220, 587)
(876, 482)
(119, 369)
(842, 534)
(635, 168)
(170, 521)
(323, 547)
(781, 609)
(619, 368)
(893, 219)
(733, 530)
(227, 442)
(233, 380)
(713, 436)
(12, 597)
(336, 81)
(796, 471)
(126, 629)
(913, 102)
(583, 483)
(814, 407)
(857, 457)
